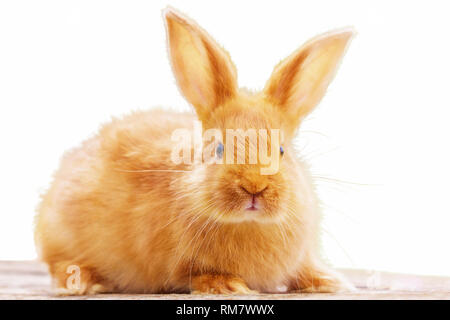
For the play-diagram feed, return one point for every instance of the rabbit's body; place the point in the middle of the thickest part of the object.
(132, 220)
(136, 229)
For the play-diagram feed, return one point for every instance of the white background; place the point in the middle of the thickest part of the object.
(381, 132)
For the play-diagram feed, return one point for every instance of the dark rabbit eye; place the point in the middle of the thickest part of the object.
(219, 150)
(281, 150)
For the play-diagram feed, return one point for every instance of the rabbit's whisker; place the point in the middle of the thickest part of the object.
(153, 170)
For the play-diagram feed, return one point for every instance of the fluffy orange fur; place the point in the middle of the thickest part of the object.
(134, 221)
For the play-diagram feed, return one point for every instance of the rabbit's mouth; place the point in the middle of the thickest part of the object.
(248, 197)
(254, 204)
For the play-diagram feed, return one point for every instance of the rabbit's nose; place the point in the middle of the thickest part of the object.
(254, 189)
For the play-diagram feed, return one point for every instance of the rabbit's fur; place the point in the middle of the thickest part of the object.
(131, 220)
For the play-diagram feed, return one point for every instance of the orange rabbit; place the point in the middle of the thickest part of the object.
(129, 219)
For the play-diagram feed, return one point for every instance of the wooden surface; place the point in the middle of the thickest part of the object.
(30, 280)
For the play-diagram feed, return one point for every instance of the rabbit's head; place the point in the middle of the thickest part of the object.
(244, 182)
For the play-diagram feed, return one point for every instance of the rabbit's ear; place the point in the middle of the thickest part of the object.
(204, 71)
(299, 82)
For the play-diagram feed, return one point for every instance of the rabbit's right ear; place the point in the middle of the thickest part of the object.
(204, 72)
(299, 82)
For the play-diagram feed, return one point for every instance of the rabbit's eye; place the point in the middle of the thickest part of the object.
(219, 150)
(281, 150)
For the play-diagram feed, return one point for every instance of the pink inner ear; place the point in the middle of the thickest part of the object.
(201, 97)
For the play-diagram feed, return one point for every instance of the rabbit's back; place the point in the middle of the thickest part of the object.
(106, 203)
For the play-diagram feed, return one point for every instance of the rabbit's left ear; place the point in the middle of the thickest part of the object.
(299, 82)
(204, 72)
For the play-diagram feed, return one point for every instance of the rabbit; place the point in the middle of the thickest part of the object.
(121, 217)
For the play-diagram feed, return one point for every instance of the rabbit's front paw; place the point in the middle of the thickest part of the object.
(321, 281)
(84, 289)
(219, 284)
(71, 279)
